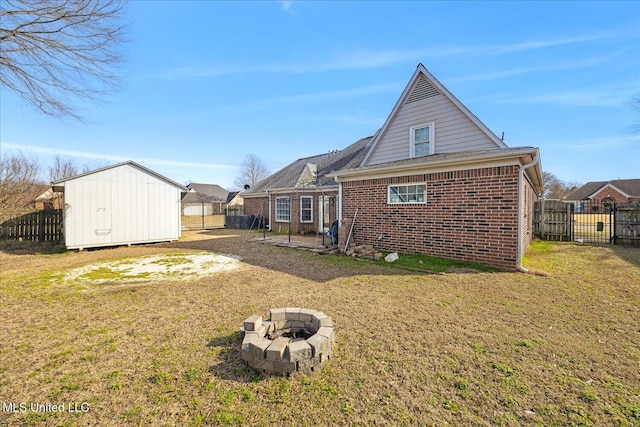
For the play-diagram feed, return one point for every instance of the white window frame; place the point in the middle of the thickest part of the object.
(310, 209)
(412, 133)
(412, 202)
(280, 211)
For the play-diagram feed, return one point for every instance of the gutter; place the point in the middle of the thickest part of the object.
(431, 164)
(269, 194)
(536, 159)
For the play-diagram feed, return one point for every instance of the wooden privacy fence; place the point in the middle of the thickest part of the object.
(38, 226)
(588, 221)
(201, 222)
(551, 220)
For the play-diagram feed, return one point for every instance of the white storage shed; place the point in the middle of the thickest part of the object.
(121, 204)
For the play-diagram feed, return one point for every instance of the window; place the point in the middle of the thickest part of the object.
(422, 140)
(283, 209)
(411, 193)
(306, 209)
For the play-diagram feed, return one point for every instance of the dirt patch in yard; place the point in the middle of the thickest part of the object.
(558, 348)
(169, 267)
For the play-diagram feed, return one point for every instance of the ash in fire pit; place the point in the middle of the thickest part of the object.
(293, 333)
(292, 340)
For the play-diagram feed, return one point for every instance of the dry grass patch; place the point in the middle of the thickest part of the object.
(558, 348)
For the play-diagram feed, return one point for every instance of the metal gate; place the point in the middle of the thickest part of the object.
(592, 222)
(588, 221)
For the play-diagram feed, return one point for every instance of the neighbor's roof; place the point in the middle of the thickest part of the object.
(231, 195)
(627, 186)
(205, 192)
(57, 186)
(288, 176)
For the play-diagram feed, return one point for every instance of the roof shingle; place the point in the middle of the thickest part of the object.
(629, 186)
(287, 177)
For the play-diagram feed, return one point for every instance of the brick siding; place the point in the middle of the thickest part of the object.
(470, 215)
(612, 193)
(253, 206)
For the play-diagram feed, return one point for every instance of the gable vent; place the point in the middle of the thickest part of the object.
(422, 90)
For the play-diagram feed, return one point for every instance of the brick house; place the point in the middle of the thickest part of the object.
(300, 196)
(615, 191)
(435, 180)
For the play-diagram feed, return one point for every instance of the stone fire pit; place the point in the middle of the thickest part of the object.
(292, 340)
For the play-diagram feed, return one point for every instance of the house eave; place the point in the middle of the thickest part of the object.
(513, 158)
(292, 190)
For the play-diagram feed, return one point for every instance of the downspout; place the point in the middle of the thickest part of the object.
(520, 251)
(339, 204)
(269, 209)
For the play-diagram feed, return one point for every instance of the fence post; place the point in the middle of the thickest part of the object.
(41, 226)
(612, 224)
(569, 224)
(541, 220)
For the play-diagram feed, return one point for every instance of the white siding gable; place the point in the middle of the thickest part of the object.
(425, 100)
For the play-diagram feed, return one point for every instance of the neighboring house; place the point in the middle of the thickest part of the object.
(301, 195)
(121, 204)
(204, 199)
(433, 180)
(615, 191)
(47, 198)
(235, 203)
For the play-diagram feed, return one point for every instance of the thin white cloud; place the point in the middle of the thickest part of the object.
(368, 59)
(98, 156)
(286, 5)
(348, 61)
(349, 119)
(335, 94)
(609, 95)
(556, 66)
(604, 142)
(578, 98)
(201, 72)
(536, 44)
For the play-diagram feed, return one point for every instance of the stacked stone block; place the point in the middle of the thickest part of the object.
(285, 356)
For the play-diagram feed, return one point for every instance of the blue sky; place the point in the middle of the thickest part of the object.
(207, 83)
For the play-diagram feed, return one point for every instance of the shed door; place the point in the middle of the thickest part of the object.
(100, 196)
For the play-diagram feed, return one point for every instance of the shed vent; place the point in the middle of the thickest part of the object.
(422, 90)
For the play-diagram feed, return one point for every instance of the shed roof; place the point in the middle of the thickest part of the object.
(627, 186)
(59, 184)
(289, 176)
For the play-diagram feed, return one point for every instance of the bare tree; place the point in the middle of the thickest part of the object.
(19, 181)
(252, 171)
(51, 51)
(62, 168)
(555, 188)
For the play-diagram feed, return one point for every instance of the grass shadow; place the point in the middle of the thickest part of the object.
(230, 366)
(15, 247)
(628, 253)
(288, 260)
